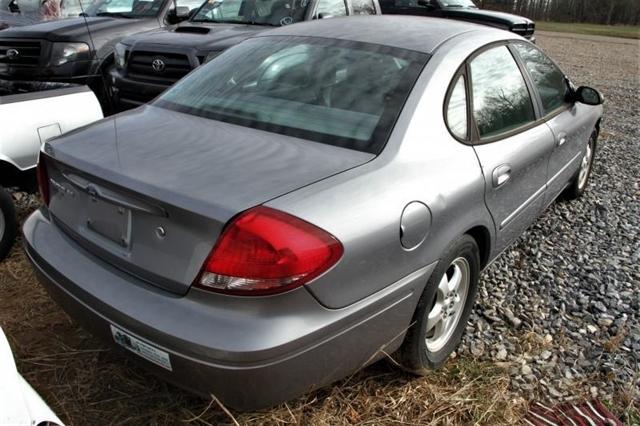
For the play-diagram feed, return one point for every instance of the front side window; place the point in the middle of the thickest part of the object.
(191, 4)
(330, 91)
(363, 7)
(457, 110)
(501, 100)
(547, 77)
(456, 3)
(257, 12)
(330, 8)
(401, 3)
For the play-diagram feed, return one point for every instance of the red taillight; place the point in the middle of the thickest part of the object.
(43, 180)
(266, 251)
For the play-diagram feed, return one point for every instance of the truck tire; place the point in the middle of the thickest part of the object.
(104, 90)
(8, 223)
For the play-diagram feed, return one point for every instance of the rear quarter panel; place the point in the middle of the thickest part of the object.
(362, 207)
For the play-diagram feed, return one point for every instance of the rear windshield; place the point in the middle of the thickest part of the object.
(330, 91)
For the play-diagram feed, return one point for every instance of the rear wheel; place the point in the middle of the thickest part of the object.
(8, 223)
(578, 185)
(443, 309)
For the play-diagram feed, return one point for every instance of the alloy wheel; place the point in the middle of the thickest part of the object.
(447, 309)
(585, 167)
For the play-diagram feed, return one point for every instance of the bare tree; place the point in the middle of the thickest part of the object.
(609, 12)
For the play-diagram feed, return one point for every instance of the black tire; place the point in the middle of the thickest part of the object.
(577, 187)
(8, 223)
(104, 92)
(414, 355)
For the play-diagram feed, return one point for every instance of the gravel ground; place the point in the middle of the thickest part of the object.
(563, 303)
(557, 317)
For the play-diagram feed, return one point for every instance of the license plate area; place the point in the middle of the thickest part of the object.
(110, 221)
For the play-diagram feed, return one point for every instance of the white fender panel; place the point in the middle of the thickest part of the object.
(28, 120)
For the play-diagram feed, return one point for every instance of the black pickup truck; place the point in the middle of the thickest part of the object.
(80, 50)
(462, 10)
(148, 63)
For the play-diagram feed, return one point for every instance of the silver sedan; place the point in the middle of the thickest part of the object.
(310, 200)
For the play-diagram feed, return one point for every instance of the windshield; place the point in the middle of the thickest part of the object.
(264, 12)
(456, 3)
(330, 91)
(125, 8)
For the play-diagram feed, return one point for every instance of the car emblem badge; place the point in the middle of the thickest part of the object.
(12, 53)
(158, 65)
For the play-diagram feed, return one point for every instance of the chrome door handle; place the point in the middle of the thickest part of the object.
(562, 138)
(501, 175)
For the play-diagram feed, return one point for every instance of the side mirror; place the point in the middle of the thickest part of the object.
(182, 12)
(178, 14)
(324, 16)
(588, 96)
(13, 7)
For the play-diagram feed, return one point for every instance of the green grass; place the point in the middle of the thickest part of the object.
(625, 31)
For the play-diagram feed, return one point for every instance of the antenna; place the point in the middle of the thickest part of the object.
(105, 91)
(86, 24)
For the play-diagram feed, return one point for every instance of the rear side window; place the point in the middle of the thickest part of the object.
(546, 76)
(331, 91)
(501, 100)
(331, 8)
(457, 119)
(363, 7)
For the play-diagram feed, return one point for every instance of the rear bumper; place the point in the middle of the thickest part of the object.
(249, 352)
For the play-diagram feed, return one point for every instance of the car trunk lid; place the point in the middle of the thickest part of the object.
(151, 190)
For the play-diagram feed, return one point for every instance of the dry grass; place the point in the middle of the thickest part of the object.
(624, 31)
(87, 383)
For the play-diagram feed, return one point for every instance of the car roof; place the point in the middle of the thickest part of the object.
(407, 32)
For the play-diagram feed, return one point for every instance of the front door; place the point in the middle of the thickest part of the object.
(571, 132)
(513, 148)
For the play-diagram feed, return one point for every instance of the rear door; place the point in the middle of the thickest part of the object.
(570, 131)
(512, 144)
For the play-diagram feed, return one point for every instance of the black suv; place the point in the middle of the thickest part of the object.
(149, 63)
(64, 51)
(463, 10)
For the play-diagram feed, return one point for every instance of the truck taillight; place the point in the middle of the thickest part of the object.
(266, 251)
(43, 180)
